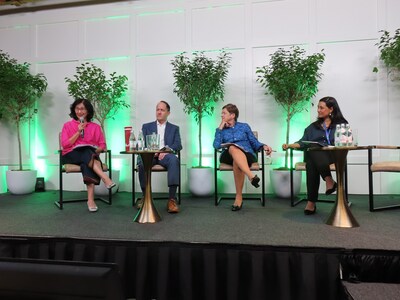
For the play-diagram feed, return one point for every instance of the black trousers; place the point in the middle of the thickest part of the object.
(84, 157)
(317, 166)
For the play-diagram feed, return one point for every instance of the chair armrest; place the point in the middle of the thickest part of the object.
(384, 147)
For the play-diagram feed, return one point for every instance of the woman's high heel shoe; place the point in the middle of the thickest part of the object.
(255, 180)
(310, 212)
(92, 208)
(111, 185)
(237, 207)
(331, 190)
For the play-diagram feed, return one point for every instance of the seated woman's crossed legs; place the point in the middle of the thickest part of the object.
(240, 170)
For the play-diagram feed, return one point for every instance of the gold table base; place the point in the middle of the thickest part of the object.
(341, 215)
(148, 212)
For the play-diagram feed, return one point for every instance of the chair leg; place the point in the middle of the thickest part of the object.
(179, 190)
(59, 203)
(215, 179)
(180, 182)
(110, 171)
(293, 203)
(133, 181)
(370, 182)
(291, 177)
(262, 180)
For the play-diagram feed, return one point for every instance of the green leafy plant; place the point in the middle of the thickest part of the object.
(16, 2)
(199, 84)
(292, 79)
(389, 47)
(19, 91)
(106, 95)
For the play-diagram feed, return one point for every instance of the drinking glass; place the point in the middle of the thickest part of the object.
(354, 133)
(153, 141)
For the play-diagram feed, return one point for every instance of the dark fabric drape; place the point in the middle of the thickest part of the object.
(171, 270)
(371, 266)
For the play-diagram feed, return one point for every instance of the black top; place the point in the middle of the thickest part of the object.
(316, 133)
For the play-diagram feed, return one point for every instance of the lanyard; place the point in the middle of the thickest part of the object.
(327, 133)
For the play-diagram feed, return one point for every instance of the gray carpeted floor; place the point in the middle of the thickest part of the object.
(373, 290)
(276, 224)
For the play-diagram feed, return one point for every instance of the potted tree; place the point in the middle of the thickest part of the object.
(389, 47)
(292, 79)
(105, 94)
(15, 2)
(19, 91)
(199, 84)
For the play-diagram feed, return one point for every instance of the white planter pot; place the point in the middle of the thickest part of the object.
(280, 180)
(21, 182)
(201, 181)
(101, 190)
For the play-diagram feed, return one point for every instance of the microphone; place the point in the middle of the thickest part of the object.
(82, 120)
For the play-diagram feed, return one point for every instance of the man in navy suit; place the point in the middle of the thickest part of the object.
(169, 137)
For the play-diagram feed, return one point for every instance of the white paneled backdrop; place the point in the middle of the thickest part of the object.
(140, 38)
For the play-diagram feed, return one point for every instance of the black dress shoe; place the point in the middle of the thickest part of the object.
(310, 212)
(255, 180)
(237, 207)
(331, 190)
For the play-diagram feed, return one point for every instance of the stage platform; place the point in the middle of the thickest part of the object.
(200, 221)
(205, 251)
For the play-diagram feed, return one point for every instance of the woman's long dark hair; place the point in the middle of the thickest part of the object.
(336, 115)
(86, 104)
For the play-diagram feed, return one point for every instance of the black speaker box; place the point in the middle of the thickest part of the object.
(39, 187)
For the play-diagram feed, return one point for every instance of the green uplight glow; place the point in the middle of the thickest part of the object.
(39, 153)
(159, 54)
(109, 58)
(219, 6)
(297, 125)
(3, 184)
(107, 18)
(208, 130)
(115, 136)
(117, 164)
(167, 12)
(118, 17)
(19, 27)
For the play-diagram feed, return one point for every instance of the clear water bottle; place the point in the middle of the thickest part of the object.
(338, 136)
(132, 141)
(348, 135)
(343, 136)
(140, 141)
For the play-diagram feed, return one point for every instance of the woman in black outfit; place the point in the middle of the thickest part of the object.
(317, 162)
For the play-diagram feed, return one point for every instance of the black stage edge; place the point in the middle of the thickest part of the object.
(174, 270)
(205, 252)
(171, 270)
